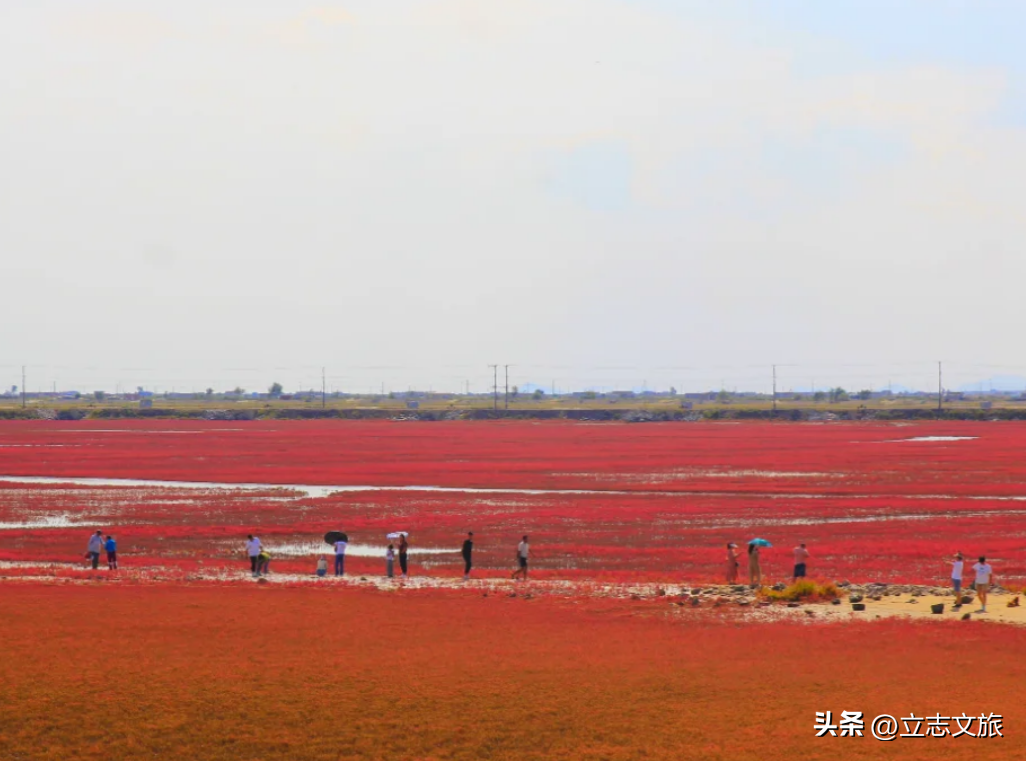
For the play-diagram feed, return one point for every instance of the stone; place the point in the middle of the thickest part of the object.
(966, 616)
(855, 598)
(835, 601)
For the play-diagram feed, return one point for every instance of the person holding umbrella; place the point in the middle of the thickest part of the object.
(404, 548)
(340, 555)
(754, 568)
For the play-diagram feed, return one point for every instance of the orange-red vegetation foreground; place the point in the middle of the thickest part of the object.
(263, 673)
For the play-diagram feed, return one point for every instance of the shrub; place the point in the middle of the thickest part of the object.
(804, 589)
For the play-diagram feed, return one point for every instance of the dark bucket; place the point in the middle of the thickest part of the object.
(858, 606)
(937, 608)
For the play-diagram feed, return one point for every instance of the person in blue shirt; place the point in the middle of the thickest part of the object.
(112, 553)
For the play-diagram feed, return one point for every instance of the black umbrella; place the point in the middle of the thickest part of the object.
(335, 536)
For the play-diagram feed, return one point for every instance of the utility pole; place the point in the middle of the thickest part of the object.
(23, 386)
(774, 389)
(506, 367)
(324, 392)
(940, 389)
(495, 386)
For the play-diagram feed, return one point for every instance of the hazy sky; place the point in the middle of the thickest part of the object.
(598, 192)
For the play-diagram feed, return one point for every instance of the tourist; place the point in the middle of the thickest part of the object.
(263, 562)
(95, 546)
(404, 548)
(801, 557)
(467, 552)
(984, 578)
(956, 578)
(340, 557)
(522, 551)
(754, 571)
(322, 566)
(253, 548)
(112, 553)
(732, 563)
(390, 561)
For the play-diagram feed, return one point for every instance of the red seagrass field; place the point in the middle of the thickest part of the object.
(874, 502)
(182, 654)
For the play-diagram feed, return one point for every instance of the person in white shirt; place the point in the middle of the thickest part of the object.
(95, 545)
(390, 561)
(956, 578)
(522, 551)
(322, 566)
(340, 557)
(801, 558)
(984, 578)
(253, 548)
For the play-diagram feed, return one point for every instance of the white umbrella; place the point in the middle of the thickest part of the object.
(397, 534)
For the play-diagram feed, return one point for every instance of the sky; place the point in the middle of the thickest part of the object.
(599, 193)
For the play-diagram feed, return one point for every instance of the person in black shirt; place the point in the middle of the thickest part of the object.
(468, 549)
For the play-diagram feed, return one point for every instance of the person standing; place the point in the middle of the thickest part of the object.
(984, 578)
(801, 557)
(390, 562)
(956, 578)
(467, 553)
(340, 557)
(754, 569)
(404, 549)
(112, 553)
(95, 547)
(253, 548)
(523, 549)
(732, 563)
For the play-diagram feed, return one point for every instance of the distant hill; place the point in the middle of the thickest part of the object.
(996, 383)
